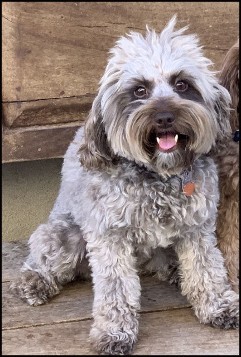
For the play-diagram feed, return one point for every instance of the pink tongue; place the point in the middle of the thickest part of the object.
(167, 142)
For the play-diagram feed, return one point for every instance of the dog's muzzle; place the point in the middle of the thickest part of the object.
(167, 137)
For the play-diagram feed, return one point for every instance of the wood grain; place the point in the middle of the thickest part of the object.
(172, 332)
(56, 49)
(49, 111)
(37, 142)
(178, 332)
(77, 297)
(61, 327)
(13, 255)
(54, 54)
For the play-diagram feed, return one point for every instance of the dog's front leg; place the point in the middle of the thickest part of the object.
(116, 295)
(204, 280)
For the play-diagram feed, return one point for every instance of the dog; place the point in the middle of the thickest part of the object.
(139, 190)
(227, 159)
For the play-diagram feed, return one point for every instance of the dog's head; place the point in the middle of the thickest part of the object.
(229, 78)
(158, 104)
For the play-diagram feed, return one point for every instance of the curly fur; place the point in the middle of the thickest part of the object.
(227, 158)
(123, 207)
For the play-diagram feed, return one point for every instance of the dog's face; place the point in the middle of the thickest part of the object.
(158, 104)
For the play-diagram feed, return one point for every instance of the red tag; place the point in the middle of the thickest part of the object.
(188, 188)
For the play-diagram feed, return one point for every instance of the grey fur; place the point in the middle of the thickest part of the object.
(124, 208)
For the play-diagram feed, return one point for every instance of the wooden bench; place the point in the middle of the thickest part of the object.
(61, 327)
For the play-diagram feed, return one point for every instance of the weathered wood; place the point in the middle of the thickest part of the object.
(161, 333)
(77, 297)
(37, 142)
(178, 332)
(13, 256)
(70, 338)
(61, 327)
(54, 54)
(55, 49)
(43, 112)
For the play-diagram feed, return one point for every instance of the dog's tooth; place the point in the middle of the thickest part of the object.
(157, 139)
(176, 137)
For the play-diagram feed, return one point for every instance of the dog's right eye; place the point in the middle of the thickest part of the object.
(181, 86)
(140, 92)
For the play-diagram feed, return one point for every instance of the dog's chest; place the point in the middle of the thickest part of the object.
(157, 210)
(160, 209)
(152, 210)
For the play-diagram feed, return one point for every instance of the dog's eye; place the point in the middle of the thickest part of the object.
(140, 92)
(181, 86)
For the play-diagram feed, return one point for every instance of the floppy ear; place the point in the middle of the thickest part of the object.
(95, 152)
(222, 108)
(229, 78)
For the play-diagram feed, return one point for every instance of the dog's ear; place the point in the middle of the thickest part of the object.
(95, 152)
(229, 78)
(222, 109)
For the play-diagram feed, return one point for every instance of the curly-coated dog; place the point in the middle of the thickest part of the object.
(137, 184)
(227, 156)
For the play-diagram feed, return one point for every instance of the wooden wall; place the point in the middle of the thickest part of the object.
(54, 54)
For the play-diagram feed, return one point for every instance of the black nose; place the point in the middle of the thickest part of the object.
(165, 119)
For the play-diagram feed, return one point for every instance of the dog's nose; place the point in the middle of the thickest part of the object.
(165, 119)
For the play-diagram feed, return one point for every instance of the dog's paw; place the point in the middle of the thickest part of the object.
(110, 347)
(221, 312)
(33, 288)
(226, 322)
(118, 343)
(228, 319)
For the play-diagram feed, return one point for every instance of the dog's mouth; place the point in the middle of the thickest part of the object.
(169, 141)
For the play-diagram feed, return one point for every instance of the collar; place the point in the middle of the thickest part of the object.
(187, 181)
(236, 136)
(188, 184)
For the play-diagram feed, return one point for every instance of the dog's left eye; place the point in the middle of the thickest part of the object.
(140, 92)
(181, 86)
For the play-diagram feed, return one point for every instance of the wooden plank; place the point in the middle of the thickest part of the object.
(74, 302)
(54, 55)
(178, 332)
(59, 49)
(161, 333)
(37, 142)
(13, 255)
(76, 297)
(62, 326)
(49, 111)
